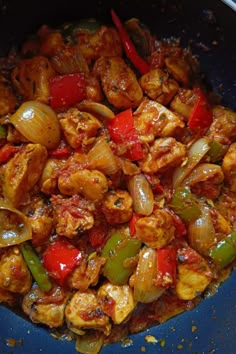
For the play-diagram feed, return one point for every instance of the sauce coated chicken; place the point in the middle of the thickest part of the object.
(117, 181)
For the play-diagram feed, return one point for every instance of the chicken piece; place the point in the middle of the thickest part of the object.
(84, 312)
(78, 127)
(158, 86)
(87, 273)
(179, 68)
(105, 42)
(40, 218)
(23, 171)
(69, 60)
(165, 153)
(205, 180)
(92, 185)
(48, 180)
(51, 43)
(119, 82)
(229, 167)
(46, 308)
(117, 207)
(31, 78)
(221, 225)
(152, 120)
(117, 301)
(7, 98)
(14, 274)
(223, 127)
(183, 102)
(71, 215)
(226, 206)
(93, 89)
(156, 230)
(193, 274)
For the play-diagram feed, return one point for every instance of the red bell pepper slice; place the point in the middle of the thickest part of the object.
(67, 90)
(60, 258)
(132, 223)
(122, 131)
(166, 266)
(201, 115)
(61, 152)
(129, 47)
(7, 151)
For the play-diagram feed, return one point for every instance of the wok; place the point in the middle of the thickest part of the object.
(209, 28)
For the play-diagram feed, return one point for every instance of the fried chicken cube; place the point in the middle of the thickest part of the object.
(119, 82)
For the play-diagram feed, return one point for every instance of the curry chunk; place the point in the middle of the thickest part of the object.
(23, 171)
(165, 153)
(193, 274)
(156, 230)
(117, 207)
(46, 308)
(91, 184)
(223, 127)
(79, 127)
(117, 301)
(49, 177)
(85, 312)
(179, 68)
(229, 167)
(87, 273)
(158, 86)
(31, 78)
(40, 218)
(14, 274)
(71, 215)
(119, 82)
(105, 42)
(153, 120)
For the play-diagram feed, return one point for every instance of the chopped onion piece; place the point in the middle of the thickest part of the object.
(38, 123)
(146, 272)
(195, 154)
(201, 232)
(15, 226)
(99, 109)
(141, 193)
(101, 157)
(203, 172)
(90, 343)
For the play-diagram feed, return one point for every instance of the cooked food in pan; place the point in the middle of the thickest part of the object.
(118, 181)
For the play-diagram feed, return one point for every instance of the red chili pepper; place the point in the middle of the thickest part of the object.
(60, 258)
(201, 115)
(128, 46)
(122, 131)
(66, 90)
(7, 151)
(166, 266)
(132, 224)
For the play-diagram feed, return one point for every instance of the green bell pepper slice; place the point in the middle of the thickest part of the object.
(224, 252)
(185, 205)
(117, 250)
(35, 266)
